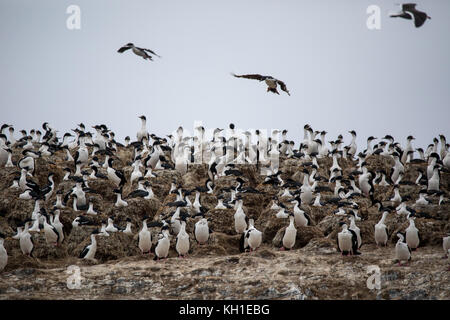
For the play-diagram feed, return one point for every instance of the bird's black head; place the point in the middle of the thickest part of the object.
(406, 198)
(184, 216)
(434, 155)
(78, 179)
(27, 220)
(423, 191)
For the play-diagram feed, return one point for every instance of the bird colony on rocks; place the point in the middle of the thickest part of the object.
(88, 196)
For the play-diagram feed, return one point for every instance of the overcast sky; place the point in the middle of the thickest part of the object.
(341, 75)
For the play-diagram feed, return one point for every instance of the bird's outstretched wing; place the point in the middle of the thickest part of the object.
(419, 18)
(251, 76)
(283, 86)
(408, 6)
(123, 49)
(152, 52)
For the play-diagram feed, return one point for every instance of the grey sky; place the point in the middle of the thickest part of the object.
(341, 75)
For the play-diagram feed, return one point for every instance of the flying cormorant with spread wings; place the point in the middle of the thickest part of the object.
(270, 81)
(138, 51)
(409, 12)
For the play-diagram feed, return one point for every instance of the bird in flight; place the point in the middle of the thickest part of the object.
(409, 12)
(270, 81)
(144, 53)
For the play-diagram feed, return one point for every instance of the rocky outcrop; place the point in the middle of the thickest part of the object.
(217, 270)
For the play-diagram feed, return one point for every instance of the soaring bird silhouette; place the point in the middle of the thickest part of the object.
(138, 51)
(270, 81)
(409, 12)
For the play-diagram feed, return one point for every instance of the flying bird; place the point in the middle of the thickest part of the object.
(270, 81)
(409, 12)
(138, 51)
